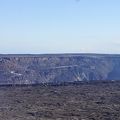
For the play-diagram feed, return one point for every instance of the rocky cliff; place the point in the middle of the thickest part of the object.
(34, 69)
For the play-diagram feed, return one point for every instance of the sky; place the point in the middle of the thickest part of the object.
(59, 26)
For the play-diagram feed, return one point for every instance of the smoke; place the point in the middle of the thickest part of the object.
(77, 0)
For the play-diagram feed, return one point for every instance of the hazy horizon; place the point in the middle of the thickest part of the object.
(62, 26)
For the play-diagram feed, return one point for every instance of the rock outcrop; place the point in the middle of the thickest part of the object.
(35, 69)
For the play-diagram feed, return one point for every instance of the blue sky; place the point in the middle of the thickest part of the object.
(59, 26)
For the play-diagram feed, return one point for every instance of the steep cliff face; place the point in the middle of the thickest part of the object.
(33, 69)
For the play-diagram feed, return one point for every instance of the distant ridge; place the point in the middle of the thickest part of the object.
(58, 68)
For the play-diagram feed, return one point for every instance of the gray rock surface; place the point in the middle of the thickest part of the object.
(35, 69)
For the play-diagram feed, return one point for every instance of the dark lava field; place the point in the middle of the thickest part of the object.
(85, 101)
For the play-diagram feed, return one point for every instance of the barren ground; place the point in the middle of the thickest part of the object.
(73, 102)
